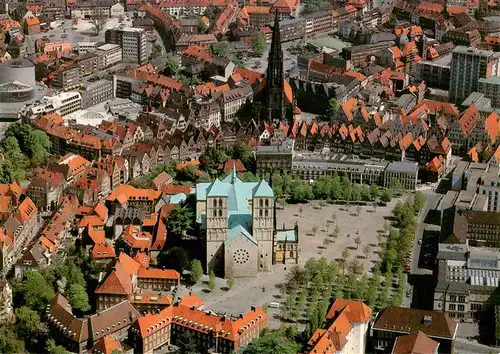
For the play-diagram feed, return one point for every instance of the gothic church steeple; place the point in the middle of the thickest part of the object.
(275, 106)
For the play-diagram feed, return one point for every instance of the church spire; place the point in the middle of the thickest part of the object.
(275, 108)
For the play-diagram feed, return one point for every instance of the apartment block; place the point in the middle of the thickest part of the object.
(133, 43)
(468, 65)
(85, 47)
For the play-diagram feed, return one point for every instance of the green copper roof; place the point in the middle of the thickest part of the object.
(263, 190)
(286, 235)
(236, 231)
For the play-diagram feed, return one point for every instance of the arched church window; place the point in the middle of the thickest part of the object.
(260, 203)
(215, 213)
(291, 253)
(220, 203)
(266, 212)
(220, 213)
(267, 202)
(260, 212)
(215, 203)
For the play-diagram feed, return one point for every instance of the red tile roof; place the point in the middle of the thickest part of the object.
(192, 301)
(155, 273)
(149, 324)
(415, 343)
(469, 119)
(103, 251)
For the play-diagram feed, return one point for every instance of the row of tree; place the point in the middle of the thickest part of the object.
(327, 188)
(399, 241)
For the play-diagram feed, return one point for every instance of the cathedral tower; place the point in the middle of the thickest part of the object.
(274, 99)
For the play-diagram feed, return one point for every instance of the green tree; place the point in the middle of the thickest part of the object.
(28, 323)
(366, 250)
(202, 26)
(222, 49)
(331, 110)
(345, 253)
(419, 201)
(259, 44)
(230, 283)
(211, 159)
(282, 341)
(35, 291)
(78, 297)
(387, 195)
(211, 280)
(180, 220)
(239, 63)
(33, 142)
(186, 344)
(171, 68)
(393, 22)
(9, 343)
(174, 258)
(357, 241)
(187, 174)
(52, 348)
(196, 271)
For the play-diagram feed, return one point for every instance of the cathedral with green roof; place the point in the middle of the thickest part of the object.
(237, 219)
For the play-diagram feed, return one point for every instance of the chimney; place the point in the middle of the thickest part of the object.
(253, 308)
(241, 315)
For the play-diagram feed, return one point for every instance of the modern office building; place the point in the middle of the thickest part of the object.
(468, 65)
(490, 87)
(112, 54)
(97, 92)
(62, 104)
(133, 43)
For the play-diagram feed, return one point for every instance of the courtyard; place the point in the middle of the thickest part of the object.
(317, 222)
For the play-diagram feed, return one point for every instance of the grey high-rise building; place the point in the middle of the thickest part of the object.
(468, 65)
(133, 43)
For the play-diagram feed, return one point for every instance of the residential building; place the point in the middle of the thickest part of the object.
(403, 173)
(130, 280)
(185, 7)
(234, 247)
(233, 100)
(394, 322)
(19, 229)
(203, 40)
(346, 329)
(467, 279)
(97, 92)
(112, 54)
(45, 189)
(72, 167)
(133, 43)
(468, 65)
(127, 196)
(96, 9)
(31, 25)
